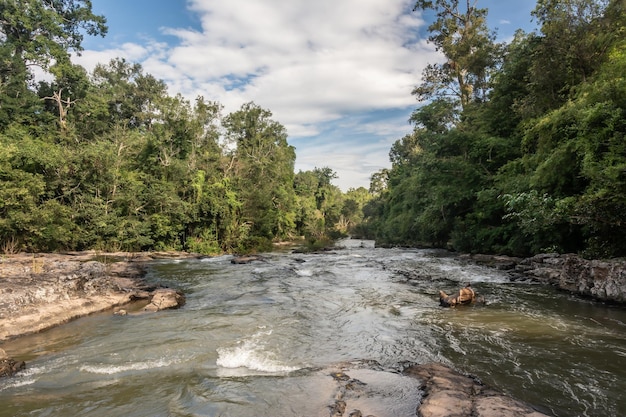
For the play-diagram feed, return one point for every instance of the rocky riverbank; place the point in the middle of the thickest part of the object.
(40, 291)
(603, 280)
(444, 393)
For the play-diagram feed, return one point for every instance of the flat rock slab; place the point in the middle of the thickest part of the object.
(40, 291)
(448, 393)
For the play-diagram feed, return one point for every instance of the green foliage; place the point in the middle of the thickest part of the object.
(110, 161)
(206, 243)
(320, 205)
(539, 164)
(461, 34)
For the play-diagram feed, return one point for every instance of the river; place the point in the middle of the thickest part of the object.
(263, 339)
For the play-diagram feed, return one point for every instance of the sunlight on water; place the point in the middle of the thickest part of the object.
(116, 369)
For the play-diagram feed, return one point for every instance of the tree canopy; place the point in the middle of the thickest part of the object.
(535, 162)
(109, 160)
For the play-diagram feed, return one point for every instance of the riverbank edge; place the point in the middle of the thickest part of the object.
(45, 290)
(603, 280)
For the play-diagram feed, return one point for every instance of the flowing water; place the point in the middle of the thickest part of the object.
(264, 339)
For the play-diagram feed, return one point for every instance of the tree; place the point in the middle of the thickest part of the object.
(38, 33)
(42, 32)
(468, 46)
(71, 84)
(132, 96)
(262, 164)
(575, 36)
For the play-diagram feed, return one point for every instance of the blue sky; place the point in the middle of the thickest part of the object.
(337, 74)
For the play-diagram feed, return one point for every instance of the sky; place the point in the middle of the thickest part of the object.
(338, 74)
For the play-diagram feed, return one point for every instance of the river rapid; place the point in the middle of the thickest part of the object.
(263, 339)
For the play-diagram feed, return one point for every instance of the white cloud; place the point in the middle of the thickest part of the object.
(309, 62)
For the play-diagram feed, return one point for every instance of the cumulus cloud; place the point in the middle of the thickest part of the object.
(312, 63)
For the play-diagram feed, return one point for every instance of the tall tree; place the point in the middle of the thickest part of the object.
(38, 33)
(461, 34)
(44, 31)
(262, 163)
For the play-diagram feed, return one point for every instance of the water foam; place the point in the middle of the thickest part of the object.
(304, 272)
(251, 353)
(28, 376)
(16, 382)
(116, 369)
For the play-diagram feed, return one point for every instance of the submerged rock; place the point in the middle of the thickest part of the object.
(246, 259)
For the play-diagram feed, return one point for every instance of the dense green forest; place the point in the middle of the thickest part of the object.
(517, 148)
(110, 161)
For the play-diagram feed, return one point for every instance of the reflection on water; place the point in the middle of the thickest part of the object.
(263, 339)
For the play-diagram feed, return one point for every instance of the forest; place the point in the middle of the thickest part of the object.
(110, 161)
(516, 148)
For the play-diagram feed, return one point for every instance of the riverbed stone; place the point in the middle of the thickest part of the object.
(246, 259)
(9, 367)
(165, 298)
(448, 393)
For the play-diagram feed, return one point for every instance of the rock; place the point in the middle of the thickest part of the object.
(338, 408)
(40, 291)
(446, 403)
(501, 262)
(498, 405)
(465, 295)
(603, 280)
(448, 393)
(9, 367)
(165, 298)
(246, 259)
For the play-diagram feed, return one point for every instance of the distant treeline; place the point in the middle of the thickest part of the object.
(519, 148)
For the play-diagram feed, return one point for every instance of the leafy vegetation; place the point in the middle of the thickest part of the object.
(110, 161)
(518, 148)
